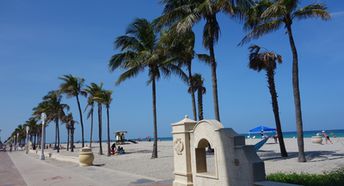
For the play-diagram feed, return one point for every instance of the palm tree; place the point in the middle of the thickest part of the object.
(32, 124)
(180, 47)
(19, 135)
(141, 49)
(70, 123)
(104, 97)
(184, 14)
(72, 87)
(91, 90)
(68, 135)
(268, 16)
(54, 109)
(267, 61)
(197, 86)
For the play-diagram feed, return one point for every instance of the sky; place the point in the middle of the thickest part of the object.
(42, 40)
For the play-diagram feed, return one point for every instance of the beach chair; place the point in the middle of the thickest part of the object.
(259, 145)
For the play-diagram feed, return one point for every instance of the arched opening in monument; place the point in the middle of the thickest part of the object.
(205, 159)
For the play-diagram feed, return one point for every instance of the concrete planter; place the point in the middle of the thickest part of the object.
(86, 157)
(317, 139)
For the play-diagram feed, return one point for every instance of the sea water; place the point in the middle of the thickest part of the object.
(292, 134)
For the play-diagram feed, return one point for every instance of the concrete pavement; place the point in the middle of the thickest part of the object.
(9, 175)
(52, 172)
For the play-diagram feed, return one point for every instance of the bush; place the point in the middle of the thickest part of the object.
(334, 178)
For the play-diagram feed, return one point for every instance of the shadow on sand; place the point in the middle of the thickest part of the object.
(311, 156)
(146, 182)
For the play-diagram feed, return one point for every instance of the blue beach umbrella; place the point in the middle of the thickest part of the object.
(261, 128)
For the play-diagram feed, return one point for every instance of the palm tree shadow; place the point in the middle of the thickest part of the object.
(311, 156)
(98, 164)
(317, 156)
(139, 151)
(272, 155)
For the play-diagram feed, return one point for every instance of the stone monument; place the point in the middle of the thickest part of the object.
(206, 153)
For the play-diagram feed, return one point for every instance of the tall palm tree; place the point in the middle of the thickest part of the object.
(70, 123)
(91, 90)
(197, 86)
(141, 49)
(94, 89)
(267, 61)
(180, 47)
(54, 109)
(184, 14)
(73, 87)
(270, 15)
(19, 135)
(68, 136)
(105, 98)
(33, 130)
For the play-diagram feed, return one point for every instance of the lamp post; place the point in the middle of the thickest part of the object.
(43, 117)
(27, 139)
(17, 147)
(14, 142)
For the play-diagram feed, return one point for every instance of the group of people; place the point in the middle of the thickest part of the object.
(323, 133)
(118, 150)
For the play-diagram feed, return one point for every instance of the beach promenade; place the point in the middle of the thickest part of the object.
(19, 169)
(9, 174)
(136, 168)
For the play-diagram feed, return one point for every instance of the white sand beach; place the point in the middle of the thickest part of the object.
(137, 160)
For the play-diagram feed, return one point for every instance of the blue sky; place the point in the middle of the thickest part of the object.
(42, 40)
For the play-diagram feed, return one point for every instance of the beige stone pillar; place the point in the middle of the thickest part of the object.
(181, 152)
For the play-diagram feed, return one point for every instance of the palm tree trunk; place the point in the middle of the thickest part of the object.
(108, 130)
(91, 132)
(68, 133)
(200, 104)
(58, 135)
(100, 128)
(34, 142)
(81, 122)
(213, 73)
(297, 98)
(72, 138)
(155, 144)
(272, 88)
(192, 92)
(55, 146)
(38, 140)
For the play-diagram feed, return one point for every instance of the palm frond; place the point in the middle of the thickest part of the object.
(128, 42)
(262, 29)
(313, 11)
(130, 73)
(187, 22)
(275, 10)
(205, 58)
(211, 32)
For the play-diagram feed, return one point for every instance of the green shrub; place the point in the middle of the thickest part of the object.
(334, 178)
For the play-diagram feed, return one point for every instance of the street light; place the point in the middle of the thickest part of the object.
(27, 139)
(17, 147)
(43, 117)
(14, 142)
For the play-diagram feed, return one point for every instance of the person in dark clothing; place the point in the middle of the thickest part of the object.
(113, 148)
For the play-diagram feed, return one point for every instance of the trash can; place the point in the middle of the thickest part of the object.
(86, 157)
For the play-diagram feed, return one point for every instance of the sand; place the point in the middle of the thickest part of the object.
(137, 160)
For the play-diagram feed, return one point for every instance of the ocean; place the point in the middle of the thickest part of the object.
(306, 134)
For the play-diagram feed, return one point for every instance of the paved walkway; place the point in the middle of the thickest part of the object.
(9, 175)
(52, 172)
